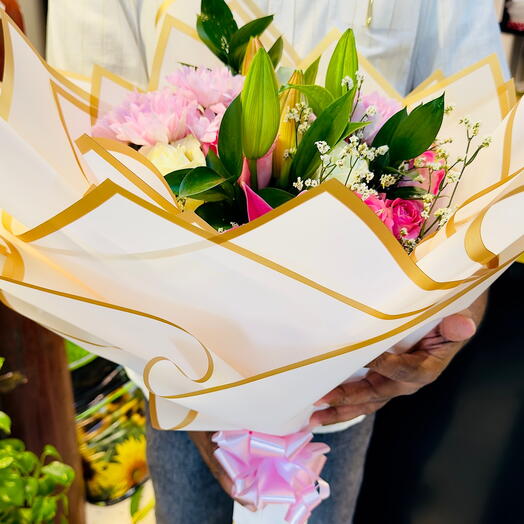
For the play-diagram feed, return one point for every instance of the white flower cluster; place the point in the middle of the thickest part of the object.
(387, 180)
(474, 127)
(301, 114)
(289, 153)
(428, 199)
(360, 79)
(347, 81)
(308, 183)
(486, 142)
(443, 214)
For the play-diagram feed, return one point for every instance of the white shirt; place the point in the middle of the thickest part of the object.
(406, 40)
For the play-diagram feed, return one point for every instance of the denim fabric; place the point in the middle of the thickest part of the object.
(187, 493)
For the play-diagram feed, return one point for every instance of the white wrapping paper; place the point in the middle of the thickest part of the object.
(246, 329)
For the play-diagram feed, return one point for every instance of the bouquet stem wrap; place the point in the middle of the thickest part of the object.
(268, 469)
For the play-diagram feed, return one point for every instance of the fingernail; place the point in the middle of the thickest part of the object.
(321, 405)
(314, 420)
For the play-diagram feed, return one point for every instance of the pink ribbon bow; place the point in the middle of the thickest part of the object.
(266, 469)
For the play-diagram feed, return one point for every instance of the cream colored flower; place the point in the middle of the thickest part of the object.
(182, 154)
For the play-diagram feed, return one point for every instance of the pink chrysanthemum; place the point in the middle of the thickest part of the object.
(212, 89)
(148, 118)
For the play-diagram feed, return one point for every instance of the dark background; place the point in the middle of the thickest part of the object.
(453, 453)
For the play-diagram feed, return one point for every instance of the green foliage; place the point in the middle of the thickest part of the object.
(276, 50)
(330, 126)
(275, 197)
(343, 63)
(218, 30)
(30, 488)
(310, 74)
(230, 138)
(260, 107)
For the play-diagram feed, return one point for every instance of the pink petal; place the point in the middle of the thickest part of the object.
(256, 205)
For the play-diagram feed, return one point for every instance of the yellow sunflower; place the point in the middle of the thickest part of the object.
(128, 467)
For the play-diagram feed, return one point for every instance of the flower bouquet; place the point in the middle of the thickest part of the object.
(234, 233)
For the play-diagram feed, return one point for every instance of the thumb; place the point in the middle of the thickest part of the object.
(459, 327)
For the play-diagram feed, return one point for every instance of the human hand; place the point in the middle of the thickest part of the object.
(392, 375)
(206, 447)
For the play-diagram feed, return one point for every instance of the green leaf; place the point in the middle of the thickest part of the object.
(198, 180)
(240, 39)
(2, 360)
(135, 500)
(216, 214)
(343, 63)
(59, 473)
(275, 197)
(417, 132)
(260, 107)
(275, 52)
(218, 14)
(5, 423)
(318, 97)
(384, 136)
(230, 138)
(215, 164)
(28, 462)
(351, 127)
(11, 445)
(174, 179)
(12, 491)
(5, 462)
(48, 508)
(216, 26)
(310, 74)
(208, 40)
(31, 489)
(407, 193)
(49, 452)
(329, 127)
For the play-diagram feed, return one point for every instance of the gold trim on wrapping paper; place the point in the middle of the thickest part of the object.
(346, 349)
(435, 77)
(74, 75)
(86, 143)
(210, 364)
(473, 243)
(5, 101)
(163, 40)
(99, 73)
(13, 266)
(496, 71)
(451, 226)
(63, 334)
(163, 9)
(204, 378)
(57, 90)
(108, 189)
(188, 419)
(508, 144)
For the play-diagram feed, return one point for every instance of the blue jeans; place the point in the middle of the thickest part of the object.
(187, 493)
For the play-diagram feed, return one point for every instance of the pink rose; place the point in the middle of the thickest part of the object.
(406, 214)
(378, 205)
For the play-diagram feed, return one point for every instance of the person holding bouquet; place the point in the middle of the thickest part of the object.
(406, 41)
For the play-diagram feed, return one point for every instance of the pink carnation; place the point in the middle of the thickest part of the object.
(148, 118)
(384, 107)
(212, 89)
